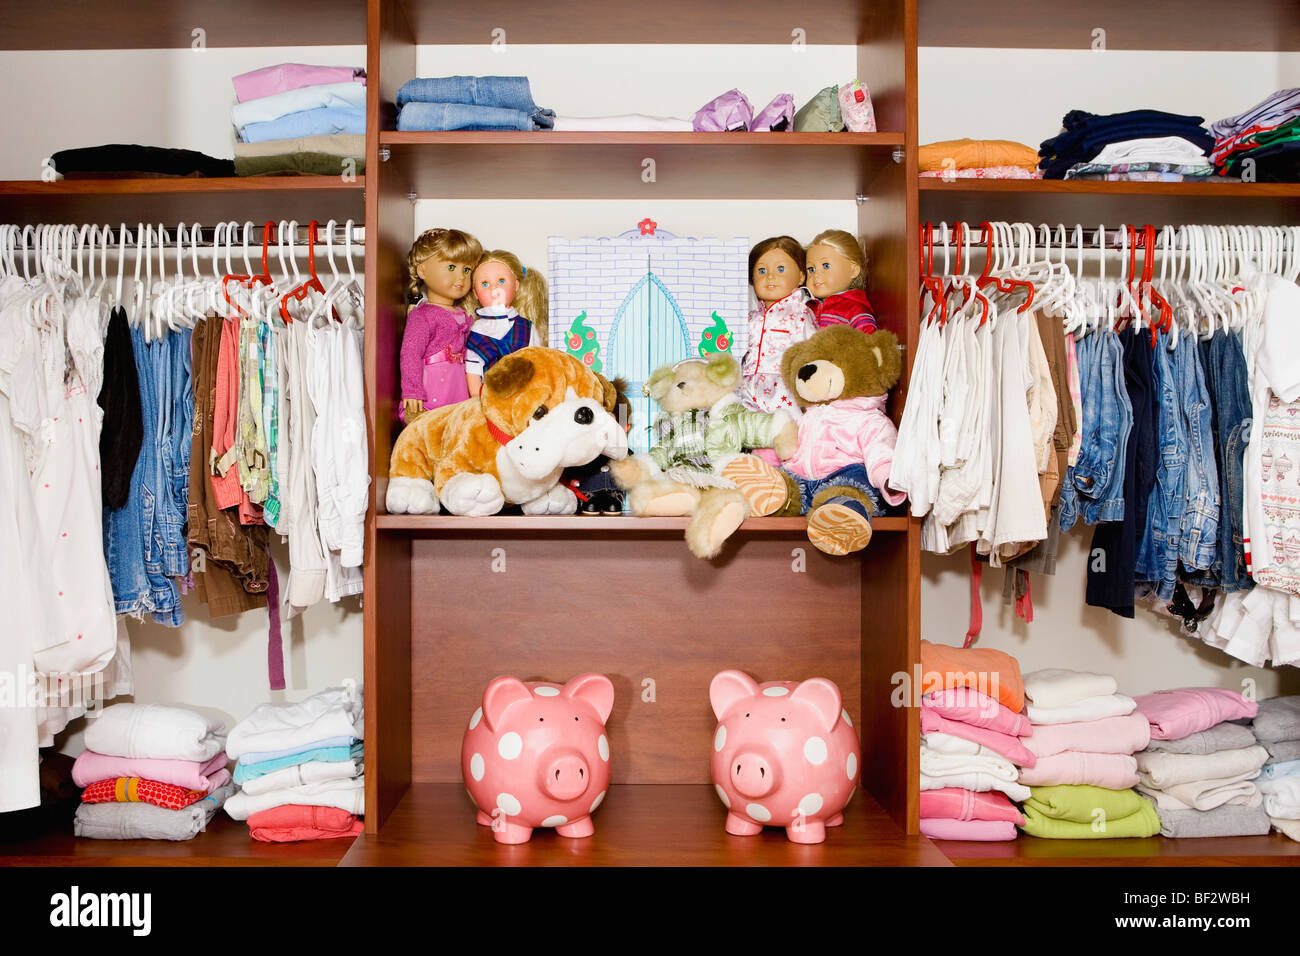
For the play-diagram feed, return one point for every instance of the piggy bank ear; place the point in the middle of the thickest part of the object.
(824, 698)
(727, 687)
(498, 698)
(595, 689)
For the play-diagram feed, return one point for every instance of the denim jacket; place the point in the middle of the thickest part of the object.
(1098, 476)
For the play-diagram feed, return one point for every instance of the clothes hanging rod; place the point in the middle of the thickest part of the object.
(1115, 239)
(206, 235)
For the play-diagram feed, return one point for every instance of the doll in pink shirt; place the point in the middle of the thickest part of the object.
(837, 278)
(440, 265)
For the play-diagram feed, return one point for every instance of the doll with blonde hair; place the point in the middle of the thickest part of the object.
(837, 278)
(512, 313)
(439, 267)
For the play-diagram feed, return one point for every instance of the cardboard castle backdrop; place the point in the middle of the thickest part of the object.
(627, 304)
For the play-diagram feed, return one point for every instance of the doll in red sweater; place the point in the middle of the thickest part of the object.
(837, 278)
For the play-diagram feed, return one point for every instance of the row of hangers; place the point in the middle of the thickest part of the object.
(67, 256)
(1207, 276)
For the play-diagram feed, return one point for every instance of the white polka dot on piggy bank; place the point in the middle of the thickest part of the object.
(536, 755)
(784, 754)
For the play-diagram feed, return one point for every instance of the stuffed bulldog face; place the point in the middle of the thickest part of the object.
(526, 385)
(841, 362)
(575, 432)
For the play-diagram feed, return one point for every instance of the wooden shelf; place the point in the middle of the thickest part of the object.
(225, 843)
(1070, 201)
(667, 21)
(1271, 850)
(168, 24)
(549, 165)
(170, 199)
(595, 525)
(636, 825)
(1152, 25)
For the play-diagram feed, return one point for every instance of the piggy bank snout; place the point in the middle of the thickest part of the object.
(752, 774)
(566, 776)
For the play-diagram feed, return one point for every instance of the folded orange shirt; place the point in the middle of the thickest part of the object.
(971, 153)
(292, 822)
(991, 672)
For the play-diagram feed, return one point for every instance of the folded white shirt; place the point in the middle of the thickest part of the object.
(977, 782)
(1090, 708)
(1157, 149)
(1058, 687)
(1205, 794)
(299, 775)
(154, 731)
(349, 795)
(336, 712)
(267, 108)
(938, 764)
(1281, 797)
(1164, 770)
(635, 122)
(942, 743)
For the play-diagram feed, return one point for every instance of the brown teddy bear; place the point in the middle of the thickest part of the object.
(540, 411)
(701, 431)
(836, 476)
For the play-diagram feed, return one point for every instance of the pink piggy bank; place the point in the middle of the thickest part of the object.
(784, 754)
(536, 755)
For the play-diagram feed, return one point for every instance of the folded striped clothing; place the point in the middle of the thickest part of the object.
(1114, 171)
(137, 790)
(144, 821)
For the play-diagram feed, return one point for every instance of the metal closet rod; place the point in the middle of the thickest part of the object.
(207, 235)
(1114, 238)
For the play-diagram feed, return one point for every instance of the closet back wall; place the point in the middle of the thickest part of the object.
(1022, 95)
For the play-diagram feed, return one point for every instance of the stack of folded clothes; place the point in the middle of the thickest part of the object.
(1277, 728)
(1197, 769)
(432, 104)
(978, 159)
(295, 119)
(151, 773)
(1139, 144)
(1084, 736)
(130, 161)
(971, 725)
(1267, 134)
(301, 768)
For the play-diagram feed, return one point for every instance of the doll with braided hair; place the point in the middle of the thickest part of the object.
(512, 313)
(439, 267)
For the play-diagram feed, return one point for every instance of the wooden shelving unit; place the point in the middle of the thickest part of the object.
(622, 595)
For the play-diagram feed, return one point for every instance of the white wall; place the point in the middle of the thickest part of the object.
(56, 100)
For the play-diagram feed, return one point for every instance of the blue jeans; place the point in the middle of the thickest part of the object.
(502, 92)
(1199, 536)
(1158, 553)
(853, 476)
(434, 117)
(1098, 475)
(155, 375)
(175, 424)
(1232, 404)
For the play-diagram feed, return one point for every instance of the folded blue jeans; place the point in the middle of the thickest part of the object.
(503, 92)
(435, 117)
(325, 121)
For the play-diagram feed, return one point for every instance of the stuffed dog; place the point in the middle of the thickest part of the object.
(540, 411)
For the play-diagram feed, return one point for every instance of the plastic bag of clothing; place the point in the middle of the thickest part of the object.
(855, 107)
(727, 113)
(776, 117)
(821, 114)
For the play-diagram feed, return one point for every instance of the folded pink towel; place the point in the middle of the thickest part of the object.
(1004, 744)
(91, 767)
(1177, 713)
(938, 828)
(954, 803)
(1111, 771)
(971, 707)
(1109, 735)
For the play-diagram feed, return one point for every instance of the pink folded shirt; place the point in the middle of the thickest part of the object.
(1110, 735)
(1178, 713)
(937, 828)
(1110, 771)
(954, 803)
(1004, 744)
(292, 76)
(91, 767)
(971, 707)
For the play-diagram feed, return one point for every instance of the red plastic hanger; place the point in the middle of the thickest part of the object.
(313, 282)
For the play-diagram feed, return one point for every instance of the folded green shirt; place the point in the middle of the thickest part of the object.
(311, 164)
(1076, 803)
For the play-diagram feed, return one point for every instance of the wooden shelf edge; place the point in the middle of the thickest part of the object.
(598, 525)
(179, 185)
(1273, 849)
(634, 138)
(1094, 188)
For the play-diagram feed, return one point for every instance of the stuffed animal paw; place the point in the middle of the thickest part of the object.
(473, 495)
(411, 496)
(558, 501)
